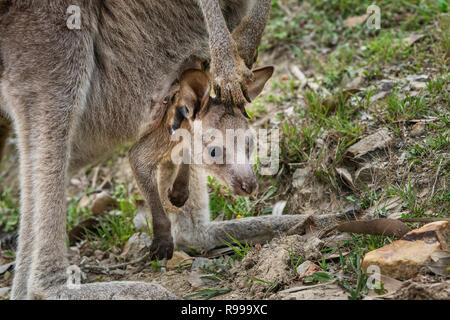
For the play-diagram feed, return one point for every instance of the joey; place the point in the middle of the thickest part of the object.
(189, 108)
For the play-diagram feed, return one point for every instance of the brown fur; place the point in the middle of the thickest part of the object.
(76, 95)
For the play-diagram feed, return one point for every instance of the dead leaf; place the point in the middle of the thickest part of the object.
(332, 103)
(102, 202)
(440, 263)
(413, 38)
(346, 176)
(5, 268)
(385, 227)
(390, 285)
(379, 140)
(379, 96)
(279, 208)
(354, 21)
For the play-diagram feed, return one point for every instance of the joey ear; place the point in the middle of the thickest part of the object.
(262, 75)
(195, 92)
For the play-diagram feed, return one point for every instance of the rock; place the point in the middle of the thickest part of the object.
(307, 269)
(312, 248)
(436, 232)
(137, 246)
(4, 292)
(387, 85)
(416, 85)
(379, 140)
(300, 177)
(179, 258)
(201, 263)
(404, 259)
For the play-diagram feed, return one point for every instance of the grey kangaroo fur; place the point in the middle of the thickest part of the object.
(74, 96)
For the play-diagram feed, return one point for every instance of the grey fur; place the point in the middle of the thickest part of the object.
(74, 96)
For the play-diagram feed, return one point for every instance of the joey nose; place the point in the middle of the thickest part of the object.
(249, 187)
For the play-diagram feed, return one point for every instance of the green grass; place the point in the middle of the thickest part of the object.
(240, 250)
(9, 211)
(113, 230)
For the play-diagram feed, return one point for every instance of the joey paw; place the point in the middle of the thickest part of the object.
(178, 198)
(161, 249)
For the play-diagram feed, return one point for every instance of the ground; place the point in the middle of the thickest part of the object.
(337, 82)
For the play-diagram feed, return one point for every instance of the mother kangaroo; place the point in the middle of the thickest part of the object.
(73, 95)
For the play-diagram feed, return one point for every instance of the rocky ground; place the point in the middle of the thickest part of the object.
(364, 122)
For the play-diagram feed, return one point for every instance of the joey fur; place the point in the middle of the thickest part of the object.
(74, 96)
(191, 100)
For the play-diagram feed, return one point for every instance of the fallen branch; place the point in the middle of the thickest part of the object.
(298, 289)
(107, 269)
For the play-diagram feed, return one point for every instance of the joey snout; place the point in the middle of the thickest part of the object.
(244, 184)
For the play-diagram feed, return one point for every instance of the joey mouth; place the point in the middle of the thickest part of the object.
(244, 188)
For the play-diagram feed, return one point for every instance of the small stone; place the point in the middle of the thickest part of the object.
(99, 254)
(300, 177)
(179, 258)
(201, 263)
(418, 129)
(416, 85)
(312, 248)
(307, 269)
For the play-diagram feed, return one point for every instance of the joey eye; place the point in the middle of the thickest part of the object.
(215, 152)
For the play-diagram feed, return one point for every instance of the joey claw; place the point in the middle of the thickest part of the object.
(184, 112)
(244, 112)
(161, 249)
(247, 97)
(218, 92)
